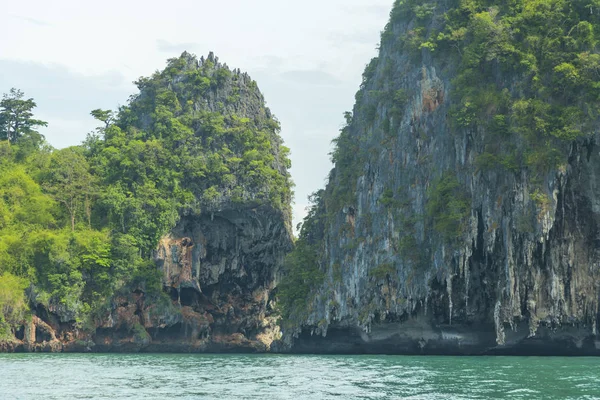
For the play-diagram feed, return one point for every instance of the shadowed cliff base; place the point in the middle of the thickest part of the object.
(452, 341)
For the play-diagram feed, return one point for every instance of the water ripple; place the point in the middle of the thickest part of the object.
(108, 376)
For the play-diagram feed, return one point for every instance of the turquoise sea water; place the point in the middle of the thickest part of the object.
(147, 376)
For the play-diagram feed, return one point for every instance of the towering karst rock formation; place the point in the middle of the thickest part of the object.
(219, 264)
(195, 179)
(462, 212)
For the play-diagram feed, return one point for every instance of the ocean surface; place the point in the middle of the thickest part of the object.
(148, 376)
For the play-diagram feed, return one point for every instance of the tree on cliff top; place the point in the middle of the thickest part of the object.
(16, 117)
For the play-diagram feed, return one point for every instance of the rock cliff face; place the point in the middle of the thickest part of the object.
(425, 250)
(222, 268)
(219, 271)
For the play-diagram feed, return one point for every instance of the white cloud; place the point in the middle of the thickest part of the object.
(34, 21)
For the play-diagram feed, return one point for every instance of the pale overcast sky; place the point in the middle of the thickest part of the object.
(307, 57)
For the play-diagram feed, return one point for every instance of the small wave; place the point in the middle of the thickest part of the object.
(523, 391)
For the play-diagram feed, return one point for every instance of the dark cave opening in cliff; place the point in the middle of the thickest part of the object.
(338, 341)
(167, 333)
(110, 334)
(42, 312)
(189, 297)
(41, 335)
(20, 333)
(479, 248)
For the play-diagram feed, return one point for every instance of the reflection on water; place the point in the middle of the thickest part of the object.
(117, 376)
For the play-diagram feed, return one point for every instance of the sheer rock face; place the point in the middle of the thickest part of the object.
(224, 266)
(523, 279)
(220, 271)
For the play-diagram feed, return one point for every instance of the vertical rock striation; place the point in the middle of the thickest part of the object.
(222, 269)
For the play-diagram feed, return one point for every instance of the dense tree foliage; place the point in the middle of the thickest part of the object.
(69, 180)
(13, 305)
(169, 151)
(302, 270)
(79, 224)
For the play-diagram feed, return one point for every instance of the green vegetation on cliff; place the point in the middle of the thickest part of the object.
(448, 207)
(527, 72)
(302, 269)
(13, 305)
(79, 224)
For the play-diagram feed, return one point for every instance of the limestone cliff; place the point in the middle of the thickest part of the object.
(220, 262)
(423, 245)
(219, 271)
